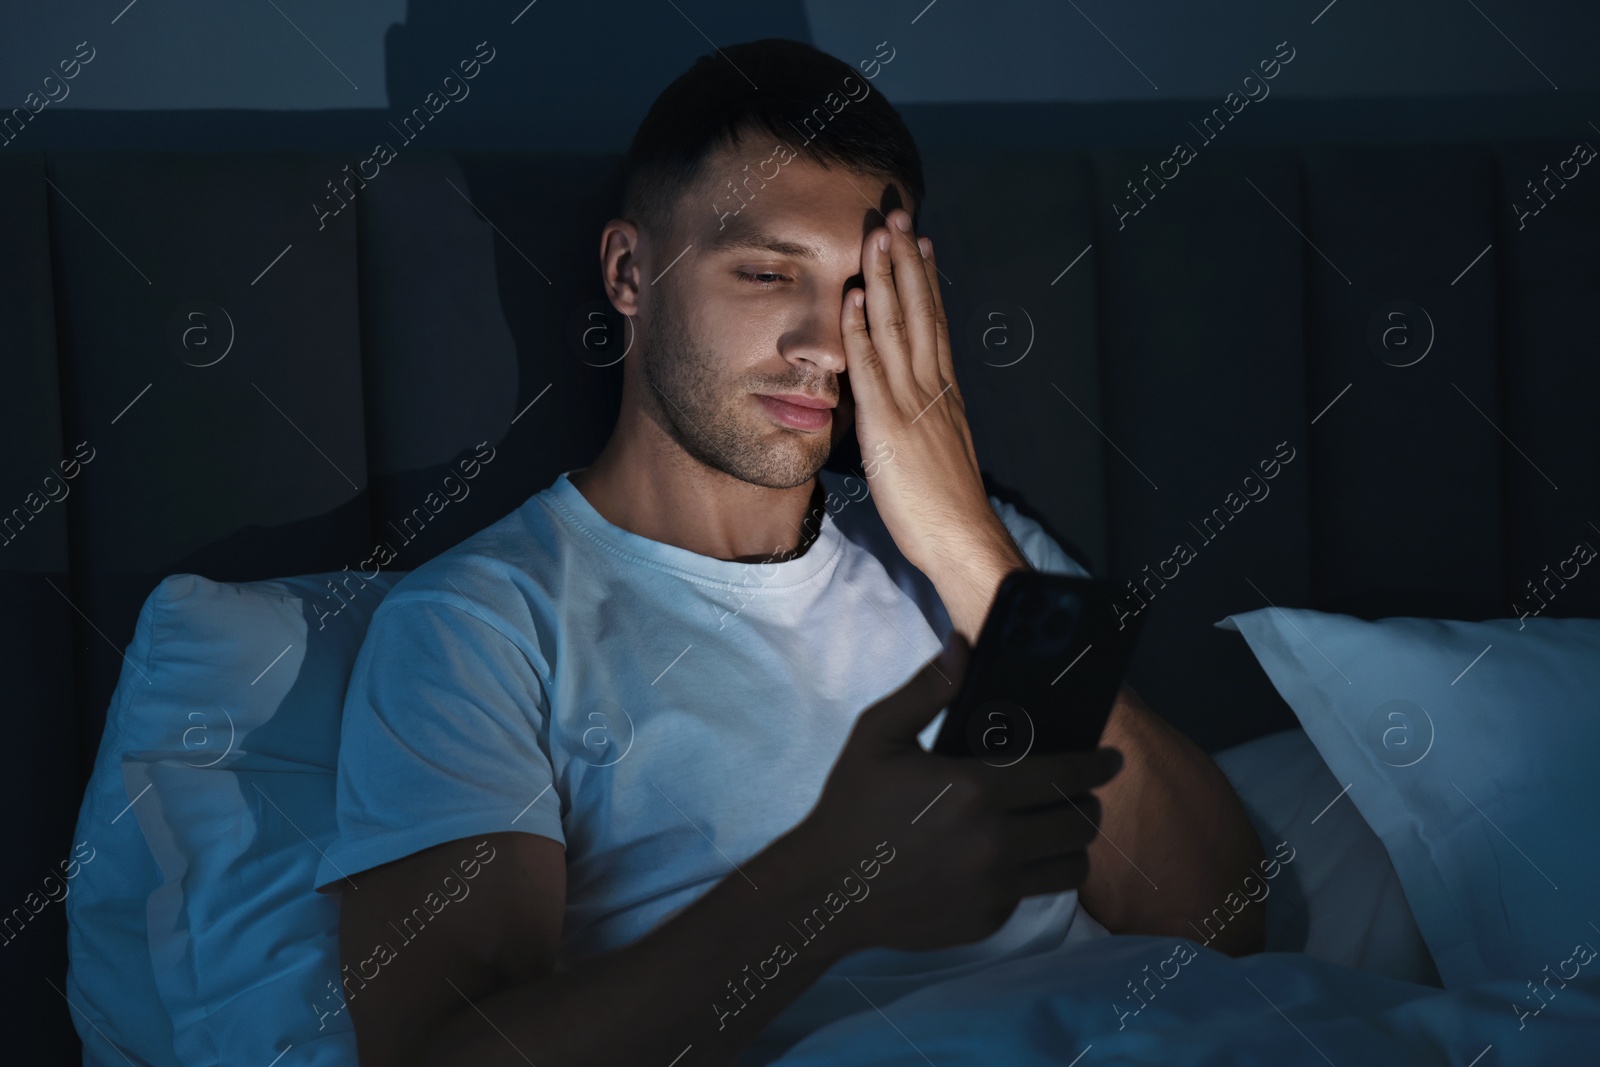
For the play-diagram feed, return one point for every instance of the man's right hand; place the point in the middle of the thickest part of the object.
(969, 839)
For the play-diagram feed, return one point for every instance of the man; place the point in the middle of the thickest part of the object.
(620, 781)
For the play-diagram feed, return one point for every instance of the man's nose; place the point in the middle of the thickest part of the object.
(821, 340)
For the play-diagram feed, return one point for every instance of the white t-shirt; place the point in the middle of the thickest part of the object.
(663, 714)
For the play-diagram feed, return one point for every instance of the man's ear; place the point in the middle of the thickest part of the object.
(622, 263)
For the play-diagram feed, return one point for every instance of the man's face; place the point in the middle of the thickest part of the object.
(753, 309)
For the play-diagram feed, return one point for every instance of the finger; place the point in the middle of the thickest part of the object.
(940, 322)
(1050, 833)
(864, 364)
(1042, 780)
(1087, 814)
(1086, 770)
(885, 318)
(916, 301)
(899, 717)
(1080, 772)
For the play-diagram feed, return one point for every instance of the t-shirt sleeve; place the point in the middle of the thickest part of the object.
(1039, 547)
(444, 736)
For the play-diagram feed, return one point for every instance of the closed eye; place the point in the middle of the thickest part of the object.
(755, 279)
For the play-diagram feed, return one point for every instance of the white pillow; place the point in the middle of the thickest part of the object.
(1469, 748)
(109, 982)
(1337, 897)
(232, 748)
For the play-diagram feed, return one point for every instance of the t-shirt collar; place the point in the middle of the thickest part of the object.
(573, 506)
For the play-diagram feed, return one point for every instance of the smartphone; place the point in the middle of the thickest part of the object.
(1045, 672)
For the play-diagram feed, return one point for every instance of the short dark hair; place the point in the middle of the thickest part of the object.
(714, 105)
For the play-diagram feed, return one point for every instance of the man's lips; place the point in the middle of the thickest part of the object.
(800, 400)
(798, 412)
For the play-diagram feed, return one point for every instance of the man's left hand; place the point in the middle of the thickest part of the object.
(910, 417)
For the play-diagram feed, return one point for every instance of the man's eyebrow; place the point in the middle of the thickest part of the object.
(746, 240)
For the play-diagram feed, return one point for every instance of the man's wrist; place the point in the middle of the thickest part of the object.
(967, 580)
(982, 547)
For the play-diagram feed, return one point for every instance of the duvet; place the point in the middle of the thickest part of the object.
(1110, 1001)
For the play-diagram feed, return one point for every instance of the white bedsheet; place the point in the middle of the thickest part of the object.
(1075, 1005)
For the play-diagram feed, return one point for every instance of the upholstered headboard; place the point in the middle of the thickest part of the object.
(244, 385)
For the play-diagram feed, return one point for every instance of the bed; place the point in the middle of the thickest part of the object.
(1432, 902)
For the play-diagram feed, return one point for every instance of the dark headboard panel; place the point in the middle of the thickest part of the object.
(1128, 376)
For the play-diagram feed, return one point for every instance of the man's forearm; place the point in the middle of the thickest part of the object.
(1170, 819)
(1174, 842)
(711, 977)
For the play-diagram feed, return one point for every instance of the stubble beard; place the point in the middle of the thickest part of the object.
(718, 425)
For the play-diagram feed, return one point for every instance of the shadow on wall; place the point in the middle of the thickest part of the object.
(563, 71)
